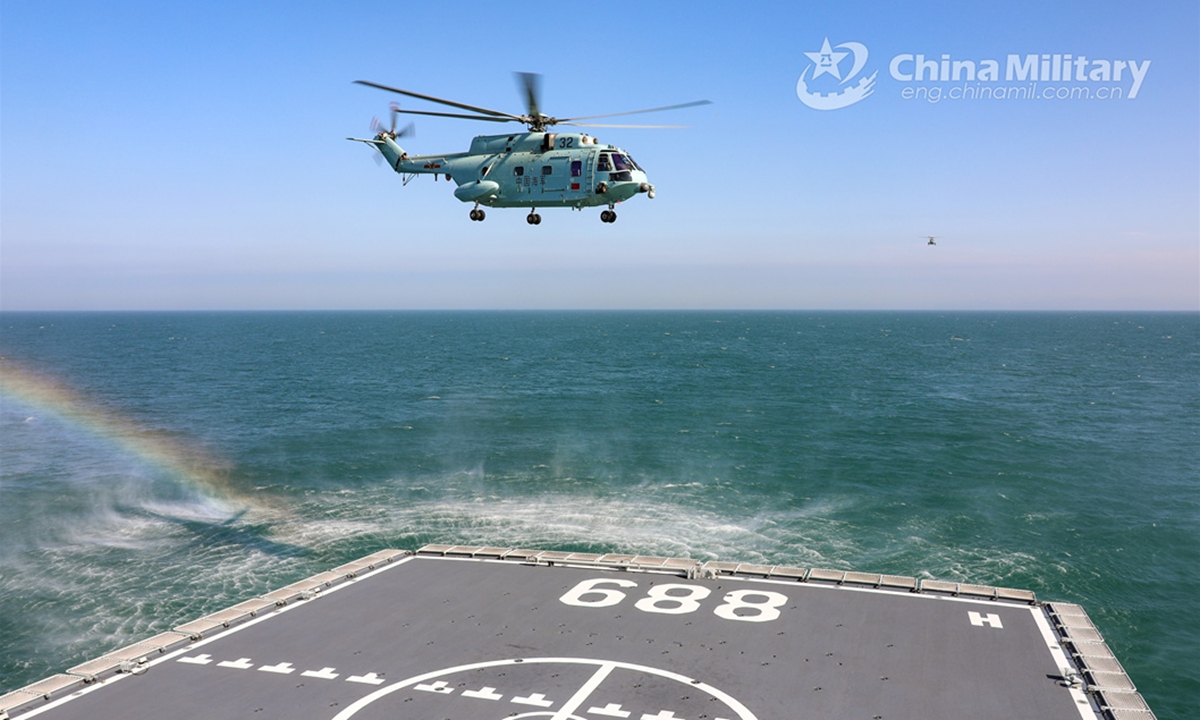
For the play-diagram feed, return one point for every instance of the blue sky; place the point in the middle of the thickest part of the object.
(164, 156)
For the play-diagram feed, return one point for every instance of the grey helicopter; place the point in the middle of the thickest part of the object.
(535, 169)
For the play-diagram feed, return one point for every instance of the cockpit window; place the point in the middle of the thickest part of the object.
(622, 163)
(602, 164)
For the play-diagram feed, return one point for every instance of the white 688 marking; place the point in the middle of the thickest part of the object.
(744, 605)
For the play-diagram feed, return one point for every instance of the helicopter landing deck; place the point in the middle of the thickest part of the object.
(477, 632)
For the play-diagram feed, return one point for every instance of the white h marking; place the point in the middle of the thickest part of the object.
(979, 620)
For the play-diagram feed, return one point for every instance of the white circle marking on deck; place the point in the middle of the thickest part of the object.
(603, 668)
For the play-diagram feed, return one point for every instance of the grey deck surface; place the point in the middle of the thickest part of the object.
(430, 638)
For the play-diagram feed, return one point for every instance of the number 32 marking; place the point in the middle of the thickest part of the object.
(744, 605)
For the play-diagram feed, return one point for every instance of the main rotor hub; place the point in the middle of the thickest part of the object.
(540, 122)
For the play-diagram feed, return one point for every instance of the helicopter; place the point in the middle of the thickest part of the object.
(534, 169)
(931, 239)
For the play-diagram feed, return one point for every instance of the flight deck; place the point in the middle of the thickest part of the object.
(482, 633)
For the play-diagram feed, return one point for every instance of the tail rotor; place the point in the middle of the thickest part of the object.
(380, 132)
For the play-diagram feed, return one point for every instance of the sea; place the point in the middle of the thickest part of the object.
(155, 467)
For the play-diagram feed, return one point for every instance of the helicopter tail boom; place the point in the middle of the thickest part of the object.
(387, 147)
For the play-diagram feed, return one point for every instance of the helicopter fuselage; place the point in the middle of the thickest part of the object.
(530, 169)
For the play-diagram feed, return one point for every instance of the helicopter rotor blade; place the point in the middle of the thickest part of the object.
(637, 112)
(620, 125)
(442, 101)
(457, 115)
(531, 85)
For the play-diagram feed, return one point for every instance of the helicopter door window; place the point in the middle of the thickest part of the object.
(576, 168)
(603, 165)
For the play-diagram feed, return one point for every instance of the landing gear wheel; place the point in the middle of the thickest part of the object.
(478, 215)
(608, 216)
(533, 218)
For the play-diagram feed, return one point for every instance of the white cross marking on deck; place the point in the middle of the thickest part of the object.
(239, 664)
(609, 710)
(282, 668)
(196, 659)
(437, 687)
(537, 699)
(484, 693)
(979, 620)
(324, 673)
(370, 679)
(662, 715)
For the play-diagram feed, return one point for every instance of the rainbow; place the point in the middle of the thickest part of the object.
(188, 464)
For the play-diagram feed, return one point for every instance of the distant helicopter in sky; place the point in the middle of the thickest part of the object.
(534, 169)
(931, 239)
